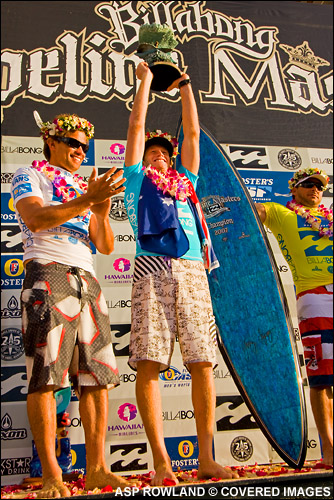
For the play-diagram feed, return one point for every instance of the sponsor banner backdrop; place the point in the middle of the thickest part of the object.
(260, 74)
(15, 465)
(241, 447)
(263, 85)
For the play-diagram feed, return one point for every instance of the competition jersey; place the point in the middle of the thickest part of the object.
(310, 257)
(67, 243)
(134, 178)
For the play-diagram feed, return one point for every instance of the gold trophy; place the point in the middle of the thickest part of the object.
(156, 41)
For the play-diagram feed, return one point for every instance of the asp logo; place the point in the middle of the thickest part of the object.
(118, 211)
(241, 449)
(11, 344)
(289, 159)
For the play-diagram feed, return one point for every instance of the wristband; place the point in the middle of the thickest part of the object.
(184, 82)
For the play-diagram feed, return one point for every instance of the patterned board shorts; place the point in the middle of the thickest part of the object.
(66, 328)
(171, 297)
(315, 316)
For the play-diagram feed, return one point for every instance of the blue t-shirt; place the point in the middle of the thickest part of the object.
(134, 178)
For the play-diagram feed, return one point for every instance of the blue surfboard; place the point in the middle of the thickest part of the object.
(255, 332)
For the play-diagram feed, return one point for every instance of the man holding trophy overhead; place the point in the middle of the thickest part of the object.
(170, 294)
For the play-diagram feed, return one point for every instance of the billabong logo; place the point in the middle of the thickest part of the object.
(122, 265)
(11, 241)
(117, 148)
(249, 157)
(14, 386)
(128, 457)
(241, 448)
(121, 338)
(213, 206)
(21, 149)
(232, 414)
(289, 159)
(127, 412)
(11, 344)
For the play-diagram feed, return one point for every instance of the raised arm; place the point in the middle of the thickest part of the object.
(190, 156)
(136, 132)
(39, 217)
(261, 211)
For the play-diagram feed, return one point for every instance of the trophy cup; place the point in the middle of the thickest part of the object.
(156, 41)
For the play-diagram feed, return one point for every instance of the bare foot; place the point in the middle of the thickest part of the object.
(328, 459)
(210, 468)
(53, 488)
(327, 450)
(163, 471)
(101, 478)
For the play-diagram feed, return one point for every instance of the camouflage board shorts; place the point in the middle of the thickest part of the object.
(66, 328)
(171, 298)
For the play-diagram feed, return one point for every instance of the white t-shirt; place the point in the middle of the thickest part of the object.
(68, 243)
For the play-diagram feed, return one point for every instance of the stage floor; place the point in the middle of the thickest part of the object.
(279, 481)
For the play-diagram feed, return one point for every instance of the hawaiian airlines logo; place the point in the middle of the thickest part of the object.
(117, 149)
(127, 412)
(122, 265)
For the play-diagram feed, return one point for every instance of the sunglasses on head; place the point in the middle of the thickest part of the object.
(73, 143)
(311, 184)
